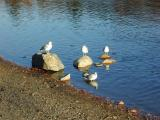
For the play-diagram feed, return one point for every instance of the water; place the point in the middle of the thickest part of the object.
(131, 29)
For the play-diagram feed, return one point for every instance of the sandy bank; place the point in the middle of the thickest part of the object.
(33, 95)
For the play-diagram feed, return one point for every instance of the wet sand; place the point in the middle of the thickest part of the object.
(31, 94)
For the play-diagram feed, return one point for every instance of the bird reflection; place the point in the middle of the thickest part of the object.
(93, 83)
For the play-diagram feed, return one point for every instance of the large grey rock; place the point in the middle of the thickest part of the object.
(83, 61)
(48, 61)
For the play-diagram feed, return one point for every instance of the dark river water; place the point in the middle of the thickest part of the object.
(131, 28)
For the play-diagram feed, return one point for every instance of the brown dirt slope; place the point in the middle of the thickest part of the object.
(33, 95)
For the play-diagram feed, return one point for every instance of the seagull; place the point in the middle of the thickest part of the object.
(86, 74)
(91, 77)
(84, 50)
(47, 47)
(106, 50)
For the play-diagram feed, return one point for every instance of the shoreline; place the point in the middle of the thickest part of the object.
(34, 83)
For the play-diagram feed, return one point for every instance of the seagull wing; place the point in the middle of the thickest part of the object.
(90, 77)
(43, 47)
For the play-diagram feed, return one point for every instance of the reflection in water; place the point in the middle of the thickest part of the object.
(19, 2)
(107, 67)
(15, 8)
(75, 9)
(93, 83)
(125, 7)
(14, 11)
(85, 73)
(84, 69)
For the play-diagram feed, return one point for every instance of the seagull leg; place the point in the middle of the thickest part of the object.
(107, 67)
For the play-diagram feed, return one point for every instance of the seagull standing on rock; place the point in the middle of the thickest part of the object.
(47, 47)
(84, 50)
(91, 77)
(106, 50)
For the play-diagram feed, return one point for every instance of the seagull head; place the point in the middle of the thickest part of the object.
(84, 46)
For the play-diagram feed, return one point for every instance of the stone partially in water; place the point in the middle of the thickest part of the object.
(66, 77)
(83, 61)
(109, 61)
(105, 56)
(121, 104)
(48, 61)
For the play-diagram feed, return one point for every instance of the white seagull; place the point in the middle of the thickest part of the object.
(84, 50)
(92, 77)
(106, 50)
(47, 47)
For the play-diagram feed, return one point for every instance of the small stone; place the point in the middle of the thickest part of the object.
(115, 117)
(66, 77)
(133, 111)
(121, 103)
(98, 64)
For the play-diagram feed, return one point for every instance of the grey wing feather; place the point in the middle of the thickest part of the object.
(43, 47)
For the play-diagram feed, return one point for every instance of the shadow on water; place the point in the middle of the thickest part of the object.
(76, 8)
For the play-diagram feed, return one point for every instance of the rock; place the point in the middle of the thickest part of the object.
(98, 64)
(121, 103)
(48, 61)
(66, 77)
(105, 56)
(133, 112)
(83, 61)
(109, 61)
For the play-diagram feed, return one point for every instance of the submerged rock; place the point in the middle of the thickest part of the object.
(83, 61)
(48, 61)
(98, 64)
(84, 69)
(109, 61)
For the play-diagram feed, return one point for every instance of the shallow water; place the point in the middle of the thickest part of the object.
(130, 28)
